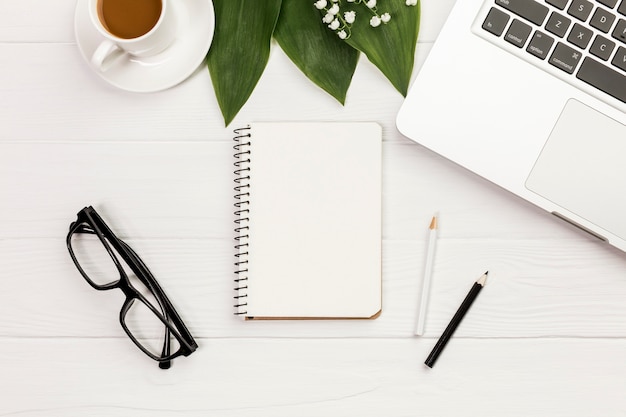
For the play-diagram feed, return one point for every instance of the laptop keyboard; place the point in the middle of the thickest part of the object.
(585, 40)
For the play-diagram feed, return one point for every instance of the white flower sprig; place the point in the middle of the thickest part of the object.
(341, 21)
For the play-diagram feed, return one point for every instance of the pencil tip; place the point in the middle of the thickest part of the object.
(483, 279)
(433, 223)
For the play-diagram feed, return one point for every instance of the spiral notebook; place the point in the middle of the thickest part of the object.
(308, 214)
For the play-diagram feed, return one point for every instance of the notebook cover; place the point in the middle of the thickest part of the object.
(314, 221)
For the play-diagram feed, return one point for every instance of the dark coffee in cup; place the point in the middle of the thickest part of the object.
(129, 19)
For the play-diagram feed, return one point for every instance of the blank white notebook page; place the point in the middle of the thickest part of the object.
(315, 220)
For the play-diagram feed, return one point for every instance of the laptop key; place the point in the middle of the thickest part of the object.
(580, 9)
(619, 60)
(496, 21)
(560, 4)
(603, 78)
(580, 36)
(558, 24)
(565, 58)
(619, 32)
(608, 3)
(527, 9)
(540, 44)
(518, 33)
(602, 20)
(602, 47)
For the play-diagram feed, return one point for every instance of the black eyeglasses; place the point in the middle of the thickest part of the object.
(147, 316)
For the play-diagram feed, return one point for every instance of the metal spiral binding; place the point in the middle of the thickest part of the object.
(242, 211)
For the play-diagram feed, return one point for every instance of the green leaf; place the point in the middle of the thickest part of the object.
(391, 46)
(316, 50)
(240, 50)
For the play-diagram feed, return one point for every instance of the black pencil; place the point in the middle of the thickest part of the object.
(458, 316)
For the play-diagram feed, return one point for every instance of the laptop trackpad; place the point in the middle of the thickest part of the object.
(582, 167)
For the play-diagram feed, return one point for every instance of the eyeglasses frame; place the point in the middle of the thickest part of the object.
(168, 316)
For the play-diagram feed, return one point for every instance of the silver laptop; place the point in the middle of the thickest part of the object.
(531, 95)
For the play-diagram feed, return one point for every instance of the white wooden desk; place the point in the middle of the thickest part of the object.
(546, 337)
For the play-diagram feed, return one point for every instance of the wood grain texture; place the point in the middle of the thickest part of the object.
(546, 337)
(184, 189)
(343, 377)
(76, 105)
(537, 288)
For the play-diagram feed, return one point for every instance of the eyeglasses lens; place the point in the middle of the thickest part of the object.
(93, 258)
(147, 329)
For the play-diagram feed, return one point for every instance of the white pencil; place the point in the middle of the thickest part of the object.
(428, 271)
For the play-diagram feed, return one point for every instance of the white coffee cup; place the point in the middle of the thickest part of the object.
(113, 47)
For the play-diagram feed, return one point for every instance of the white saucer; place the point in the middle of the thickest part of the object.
(195, 22)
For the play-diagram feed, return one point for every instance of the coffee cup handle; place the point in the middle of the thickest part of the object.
(105, 54)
